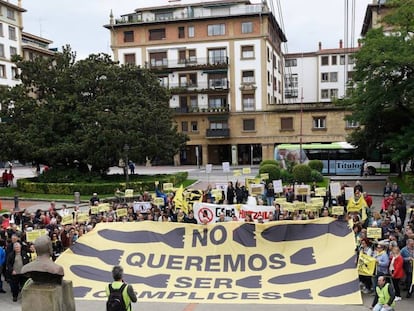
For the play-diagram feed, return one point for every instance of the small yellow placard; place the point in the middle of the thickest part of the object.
(374, 233)
(31, 236)
(67, 219)
(299, 206)
(103, 207)
(337, 210)
(264, 176)
(159, 201)
(94, 210)
(168, 186)
(320, 191)
(82, 217)
(121, 212)
(237, 173)
(247, 170)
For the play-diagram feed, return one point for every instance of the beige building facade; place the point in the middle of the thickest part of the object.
(223, 64)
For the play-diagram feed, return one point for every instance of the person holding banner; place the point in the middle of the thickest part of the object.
(365, 249)
(357, 204)
(407, 252)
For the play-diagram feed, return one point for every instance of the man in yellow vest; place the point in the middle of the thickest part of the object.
(384, 296)
(120, 294)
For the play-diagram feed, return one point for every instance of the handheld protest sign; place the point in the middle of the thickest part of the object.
(159, 201)
(374, 233)
(246, 170)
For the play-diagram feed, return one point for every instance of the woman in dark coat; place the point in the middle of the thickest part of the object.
(15, 262)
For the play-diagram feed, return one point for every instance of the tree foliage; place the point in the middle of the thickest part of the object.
(67, 112)
(383, 98)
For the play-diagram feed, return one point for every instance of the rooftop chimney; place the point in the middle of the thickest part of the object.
(320, 45)
(340, 44)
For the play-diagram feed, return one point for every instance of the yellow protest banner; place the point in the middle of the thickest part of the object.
(374, 233)
(279, 262)
(121, 212)
(337, 210)
(366, 265)
(246, 170)
(67, 220)
(264, 176)
(237, 173)
(103, 207)
(94, 210)
(159, 201)
(82, 217)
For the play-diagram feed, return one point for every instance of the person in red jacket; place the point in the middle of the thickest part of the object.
(368, 199)
(397, 271)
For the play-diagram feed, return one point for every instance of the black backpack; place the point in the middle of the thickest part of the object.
(116, 300)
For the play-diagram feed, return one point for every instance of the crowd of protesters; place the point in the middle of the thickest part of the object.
(395, 243)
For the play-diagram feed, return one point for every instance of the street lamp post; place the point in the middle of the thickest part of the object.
(126, 149)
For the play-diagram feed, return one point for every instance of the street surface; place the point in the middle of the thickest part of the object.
(375, 187)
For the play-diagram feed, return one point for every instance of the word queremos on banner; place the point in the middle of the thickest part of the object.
(284, 262)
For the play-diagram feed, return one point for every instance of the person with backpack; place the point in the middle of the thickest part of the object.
(120, 294)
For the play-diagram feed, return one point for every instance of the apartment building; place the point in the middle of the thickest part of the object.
(11, 25)
(34, 46)
(373, 16)
(223, 64)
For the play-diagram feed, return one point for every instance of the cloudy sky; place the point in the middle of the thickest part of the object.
(80, 23)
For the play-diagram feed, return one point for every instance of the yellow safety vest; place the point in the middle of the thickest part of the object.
(384, 295)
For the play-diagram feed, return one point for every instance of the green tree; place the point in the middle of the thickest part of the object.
(78, 113)
(383, 98)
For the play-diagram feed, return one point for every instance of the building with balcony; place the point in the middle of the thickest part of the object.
(11, 25)
(34, 46)
(223, 65)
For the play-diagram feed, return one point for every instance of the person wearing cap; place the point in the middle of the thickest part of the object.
(260, 220)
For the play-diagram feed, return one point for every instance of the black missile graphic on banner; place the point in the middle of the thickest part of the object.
(111, 256)
(303, 257)
(303, 294)
(94, 274)
(253, 281)
(244, 235)
(313, 274)
(81, 291)
(341, 290)
(299, 232)
(174, 238)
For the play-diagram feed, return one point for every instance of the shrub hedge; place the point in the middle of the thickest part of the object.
(272, 162)
(146, 183)
(316, 165)
(302, 173)
(272, 170)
